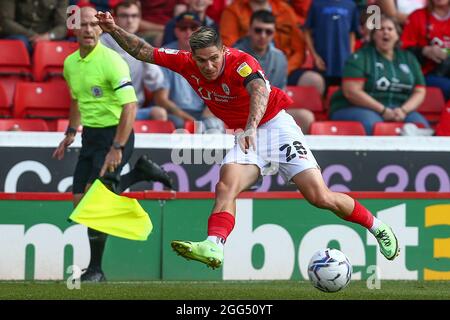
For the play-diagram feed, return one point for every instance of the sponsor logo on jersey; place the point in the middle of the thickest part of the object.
(244, 70)
(405, 68)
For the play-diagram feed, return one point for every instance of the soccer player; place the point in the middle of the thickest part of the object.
(233, 86)
(104, 100)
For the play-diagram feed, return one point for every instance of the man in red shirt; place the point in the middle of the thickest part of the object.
(233, 86)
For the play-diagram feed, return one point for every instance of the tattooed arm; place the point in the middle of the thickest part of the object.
(259, 97)
(132, 44)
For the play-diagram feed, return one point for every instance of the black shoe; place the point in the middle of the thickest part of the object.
(112, 181)
(93, 275)
(150, 171)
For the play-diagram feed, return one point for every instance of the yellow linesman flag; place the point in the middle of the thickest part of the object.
(105, 211)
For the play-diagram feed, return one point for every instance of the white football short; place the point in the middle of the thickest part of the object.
(280, 148)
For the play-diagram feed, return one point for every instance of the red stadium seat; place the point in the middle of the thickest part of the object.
(331, 90)
(5, 109)
(390, 128)
(62, 124)
(341, 128)
(190, 126)
(153, 126)
(23, 125)
(14, 67)
(14, 58)
(42, 100)
(48, 58)
(431, 108)
(307, 98)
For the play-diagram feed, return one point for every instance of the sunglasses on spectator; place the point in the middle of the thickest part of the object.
(185, 28)
(269, 32)
(126, 16)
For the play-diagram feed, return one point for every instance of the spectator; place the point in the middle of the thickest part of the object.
(301, 8)
(427, 35)
(381, 82)
(143, 75)
(330, 35)
(215, 10)
(258, 43)
(197, 6)
(155, 15)
(33, 21)
(180, 100)
(400, 9)
(235, 23)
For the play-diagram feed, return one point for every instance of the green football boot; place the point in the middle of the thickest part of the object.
(388, 242)
(206, 252)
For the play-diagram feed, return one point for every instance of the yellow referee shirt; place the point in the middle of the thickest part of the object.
(101, 84)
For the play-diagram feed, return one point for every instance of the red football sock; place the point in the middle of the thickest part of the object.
(361, 215)
(220, 224)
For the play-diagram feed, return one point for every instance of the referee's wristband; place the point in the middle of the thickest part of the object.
(383, 111)
(70, 130)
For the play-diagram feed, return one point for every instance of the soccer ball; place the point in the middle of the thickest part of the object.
(329, 270)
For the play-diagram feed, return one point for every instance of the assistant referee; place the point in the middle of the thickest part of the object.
(104, 102)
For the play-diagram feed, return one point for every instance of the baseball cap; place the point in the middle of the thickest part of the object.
(188, 19)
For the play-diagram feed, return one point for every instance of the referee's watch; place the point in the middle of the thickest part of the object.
(116, 145)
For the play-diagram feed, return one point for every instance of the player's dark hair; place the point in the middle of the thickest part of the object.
(205, 37)
(264, 16)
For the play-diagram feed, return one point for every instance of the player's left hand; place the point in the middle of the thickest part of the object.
(112, 161)
(247, 140)
(105, 21)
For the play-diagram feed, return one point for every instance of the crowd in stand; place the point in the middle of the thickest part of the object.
(365, 69)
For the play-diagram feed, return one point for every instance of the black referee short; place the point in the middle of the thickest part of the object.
(95, 145)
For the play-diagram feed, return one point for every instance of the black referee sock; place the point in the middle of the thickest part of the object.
(97, 242)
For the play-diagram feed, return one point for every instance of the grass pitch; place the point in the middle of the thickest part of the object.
(222, 290)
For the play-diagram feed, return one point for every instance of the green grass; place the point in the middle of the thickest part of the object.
(222, 290)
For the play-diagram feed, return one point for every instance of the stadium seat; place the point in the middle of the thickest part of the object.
(41, 100)
(48, 58)
(330, 91)
(14, 58)
(431, 108)
(190, 126)
(5, 109)
(342, 128)
(23, 125)
(62, 124)
(390, 128)
(307, 97)
(14, 67)
(153, 126)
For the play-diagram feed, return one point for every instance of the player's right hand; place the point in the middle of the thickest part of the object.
(105, 21)
(247, 140)
(59, 152)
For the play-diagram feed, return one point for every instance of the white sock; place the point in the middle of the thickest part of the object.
(376, 224)
(217, 240)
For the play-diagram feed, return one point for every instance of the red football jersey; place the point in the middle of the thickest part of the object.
(423, 29)
(226, 96)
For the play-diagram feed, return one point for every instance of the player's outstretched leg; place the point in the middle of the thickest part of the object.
(206, 252)
(311, 185)
(233, 179)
